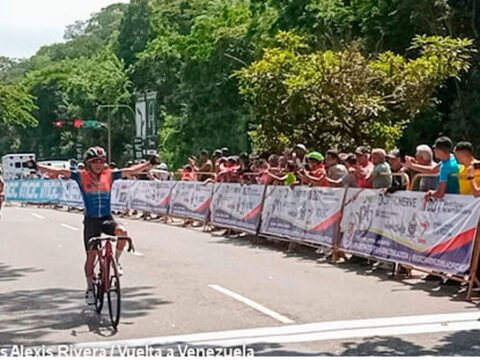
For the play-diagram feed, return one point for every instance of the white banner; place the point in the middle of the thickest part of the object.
(70, 194)
(191, 199)
(237, 206)
(151, 196)
(120, 194)
(309, 214)
(403, 227)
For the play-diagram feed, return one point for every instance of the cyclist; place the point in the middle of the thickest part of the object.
(95, 183)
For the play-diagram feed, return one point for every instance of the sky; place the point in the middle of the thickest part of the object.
(26, 25)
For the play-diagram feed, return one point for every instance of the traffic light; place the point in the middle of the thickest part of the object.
(92, 124)
(59, 123)
(78, 123)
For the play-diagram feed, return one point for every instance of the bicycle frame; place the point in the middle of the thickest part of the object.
(104, 255)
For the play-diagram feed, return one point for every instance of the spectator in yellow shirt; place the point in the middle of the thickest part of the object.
(469, 173)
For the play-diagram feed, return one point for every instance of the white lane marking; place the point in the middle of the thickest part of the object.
(38, 216)
(253, 304)
(66, 226)
(331, 330)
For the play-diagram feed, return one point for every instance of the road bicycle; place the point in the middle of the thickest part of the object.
(106, 280)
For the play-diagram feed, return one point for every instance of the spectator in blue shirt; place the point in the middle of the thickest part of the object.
(449, 168)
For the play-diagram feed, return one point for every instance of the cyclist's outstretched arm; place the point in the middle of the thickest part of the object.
(136, 169)
(53, 172)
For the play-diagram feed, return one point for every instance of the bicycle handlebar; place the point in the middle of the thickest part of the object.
(95, 242)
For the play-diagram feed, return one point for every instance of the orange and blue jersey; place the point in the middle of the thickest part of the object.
(96, 193)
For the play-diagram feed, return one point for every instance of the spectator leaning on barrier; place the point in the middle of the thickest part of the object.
(299, 155)
(316, 174)
(350, 162)
(364, 168)
(261, 168)
(225, 152)
(206, 166)
(469, 173)
(423, 163)
(290, 177)
(216, 156)
(160, 173)
(244, 168)
(381, 174)
(274, 168)
(337, 173)
(188, 174)
(232, 169)
(395, 161)
(449, 168)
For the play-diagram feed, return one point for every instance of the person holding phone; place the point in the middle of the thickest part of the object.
(469, 174)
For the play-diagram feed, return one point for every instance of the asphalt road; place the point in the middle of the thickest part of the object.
(188, 287)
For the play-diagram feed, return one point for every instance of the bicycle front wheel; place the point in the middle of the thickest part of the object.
(113, 294)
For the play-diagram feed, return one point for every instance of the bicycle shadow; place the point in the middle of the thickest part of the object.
(33, 317)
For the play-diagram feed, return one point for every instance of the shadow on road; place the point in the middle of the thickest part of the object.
(464, 343)
(359, 266)
(28, 316)
(8, 273)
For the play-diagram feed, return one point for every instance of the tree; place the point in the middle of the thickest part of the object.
(135, 31)
(190, 63)
(342, 98)
(16, 106)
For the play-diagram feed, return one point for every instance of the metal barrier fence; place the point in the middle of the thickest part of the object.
(438, 236)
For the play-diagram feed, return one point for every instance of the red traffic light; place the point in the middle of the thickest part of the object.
(78, 123)
(59, 123)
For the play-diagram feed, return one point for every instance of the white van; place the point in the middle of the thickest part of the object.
(13, 166)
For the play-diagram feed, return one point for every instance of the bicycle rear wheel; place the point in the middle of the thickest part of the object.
(114, 294)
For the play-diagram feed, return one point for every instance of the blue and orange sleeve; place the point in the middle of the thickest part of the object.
(116, 175)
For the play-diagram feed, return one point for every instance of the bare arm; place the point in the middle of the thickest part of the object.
(306, 177)
(471, 175)
(136, 169)
(277, 178)
(440, 192)
(425, 169)
(54, 172)
(475, 188)
(335, 182)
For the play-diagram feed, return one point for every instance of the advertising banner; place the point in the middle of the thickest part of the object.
(237, 206)
(120, 194)
(310, 214)
(403, 227)
(151, 196)
(39, 191)
(70, 194)
(191, 199)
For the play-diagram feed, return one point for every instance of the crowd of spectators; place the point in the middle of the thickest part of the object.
(445, 168)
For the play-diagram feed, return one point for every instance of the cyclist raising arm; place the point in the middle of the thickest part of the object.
(95, 184)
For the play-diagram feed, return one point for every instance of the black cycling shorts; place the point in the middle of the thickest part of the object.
(95, 227)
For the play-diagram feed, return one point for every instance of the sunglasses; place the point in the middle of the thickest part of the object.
(96, 161)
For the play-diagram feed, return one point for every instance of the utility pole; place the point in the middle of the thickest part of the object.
(110, 107)
(109, 135)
